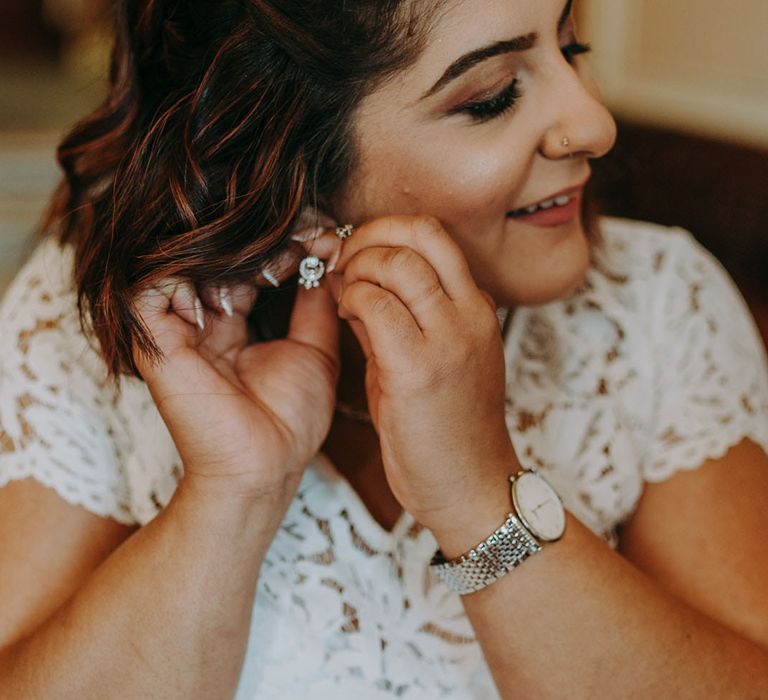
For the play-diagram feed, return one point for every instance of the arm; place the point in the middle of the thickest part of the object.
(688, 620)
(167, 612)
(575, 620)
(165, 615)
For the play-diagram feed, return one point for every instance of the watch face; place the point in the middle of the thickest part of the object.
(539, 506)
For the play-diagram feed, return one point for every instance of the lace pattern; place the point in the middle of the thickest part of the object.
(653, 366)
(712, 381)
(51, 425)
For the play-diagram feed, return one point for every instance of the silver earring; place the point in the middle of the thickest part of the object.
(344, 232)
(311, 271)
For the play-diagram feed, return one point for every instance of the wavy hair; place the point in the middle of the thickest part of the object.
(224, 120)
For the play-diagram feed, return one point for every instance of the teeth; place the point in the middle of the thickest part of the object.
(560, 201)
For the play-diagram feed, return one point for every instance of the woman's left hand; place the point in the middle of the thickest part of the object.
(435, 365)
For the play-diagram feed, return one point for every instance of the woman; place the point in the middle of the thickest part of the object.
(174, 533)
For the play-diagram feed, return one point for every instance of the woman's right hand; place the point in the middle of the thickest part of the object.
(246, 418)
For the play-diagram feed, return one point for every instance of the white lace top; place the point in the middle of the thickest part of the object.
(652, 367)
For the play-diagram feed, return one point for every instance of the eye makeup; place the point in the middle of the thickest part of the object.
(485, 109)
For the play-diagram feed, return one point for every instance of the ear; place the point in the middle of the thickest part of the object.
(313, 218)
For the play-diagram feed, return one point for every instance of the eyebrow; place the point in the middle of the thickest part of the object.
(473, 58)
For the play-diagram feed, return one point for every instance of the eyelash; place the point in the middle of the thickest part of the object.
(485, 110)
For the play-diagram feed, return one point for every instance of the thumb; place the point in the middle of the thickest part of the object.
(314, 322)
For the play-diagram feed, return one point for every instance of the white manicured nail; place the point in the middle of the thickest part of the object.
(225, 302)
(331, 266)
(199, 315)
(267, 275)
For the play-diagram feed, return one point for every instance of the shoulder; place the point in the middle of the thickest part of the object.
(652, 366)
(43, 345)
(63, 421)
(708, 377)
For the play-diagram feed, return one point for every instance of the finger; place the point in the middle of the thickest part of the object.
(283, 265)
(186, 303)
(172, 294)
(226, 309)
(405, 273)
(390, 327)
(168, 312)
(314, 322)
(358, 328)
(216, 299)
(230, 300)
(428, 238)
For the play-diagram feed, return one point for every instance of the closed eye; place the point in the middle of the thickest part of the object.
(483, 110)
(504, 101)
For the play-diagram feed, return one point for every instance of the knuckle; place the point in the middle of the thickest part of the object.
(329, 364)
(427, 225)
(382, 305)
(400, 259)
(352, 268)
(432, 288)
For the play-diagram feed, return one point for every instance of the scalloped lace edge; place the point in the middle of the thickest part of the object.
(733, 438)
(121, 515)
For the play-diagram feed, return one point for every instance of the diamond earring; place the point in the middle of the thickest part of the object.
(311, 271)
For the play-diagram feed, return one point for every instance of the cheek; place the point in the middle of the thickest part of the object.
(458, 185)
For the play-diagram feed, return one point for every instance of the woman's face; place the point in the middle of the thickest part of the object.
(450, 137)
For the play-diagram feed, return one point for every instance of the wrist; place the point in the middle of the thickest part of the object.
(230, 512)
(480, 512)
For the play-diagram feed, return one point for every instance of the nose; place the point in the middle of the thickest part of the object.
(579, 123)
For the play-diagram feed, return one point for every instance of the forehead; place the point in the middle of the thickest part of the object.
(460, 26)
(458, 23)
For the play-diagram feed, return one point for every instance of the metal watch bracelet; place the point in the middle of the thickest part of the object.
(496, 556)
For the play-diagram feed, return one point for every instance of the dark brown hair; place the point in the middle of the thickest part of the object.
(224, 120)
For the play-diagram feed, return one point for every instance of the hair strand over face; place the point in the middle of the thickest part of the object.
(224, 121)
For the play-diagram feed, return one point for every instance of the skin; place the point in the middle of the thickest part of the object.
(418, 158)
(418, 294)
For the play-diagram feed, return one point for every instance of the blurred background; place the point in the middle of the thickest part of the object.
(687, 80)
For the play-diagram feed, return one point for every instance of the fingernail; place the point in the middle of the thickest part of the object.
(334, 260)
(225, 302)
(199, 316)
(267, 275)
(307, 235)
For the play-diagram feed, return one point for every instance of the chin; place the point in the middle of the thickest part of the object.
(547, 278)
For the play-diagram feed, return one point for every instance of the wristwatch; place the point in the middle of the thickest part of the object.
(538, 517)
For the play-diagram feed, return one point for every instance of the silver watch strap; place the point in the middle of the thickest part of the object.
(505, 549)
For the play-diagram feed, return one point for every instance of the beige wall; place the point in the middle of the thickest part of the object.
(697, 64)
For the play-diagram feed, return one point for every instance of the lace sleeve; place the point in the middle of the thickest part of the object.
(53, 426)
(712, 378)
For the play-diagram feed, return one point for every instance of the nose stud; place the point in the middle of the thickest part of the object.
(565, 142)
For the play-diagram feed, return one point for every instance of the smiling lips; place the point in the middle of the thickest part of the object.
(554, 211)
(560, 201)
